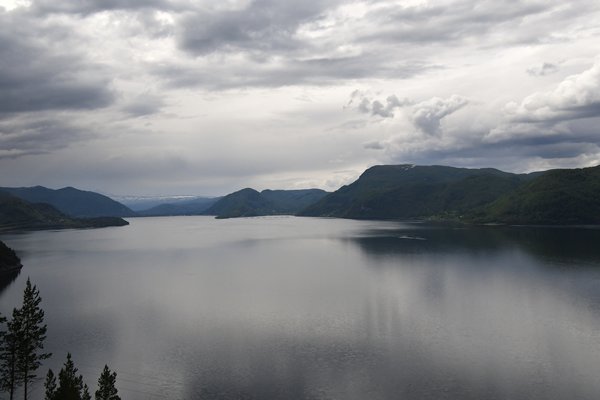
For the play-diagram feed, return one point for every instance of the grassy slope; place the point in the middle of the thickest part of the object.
(566, 196)
(404, 191)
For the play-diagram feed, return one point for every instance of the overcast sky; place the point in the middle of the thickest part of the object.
(151, 97)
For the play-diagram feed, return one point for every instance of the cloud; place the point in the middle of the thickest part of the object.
(234, 72)
(143, 105)
(36, 77)
(374, 145)
(543, 70)
(453, 22)
(578, 96)
(23, 136)
(427, 115)
(86, 7)
(262, 26)
(365, 105)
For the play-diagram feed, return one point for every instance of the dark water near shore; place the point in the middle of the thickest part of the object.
(302, 308)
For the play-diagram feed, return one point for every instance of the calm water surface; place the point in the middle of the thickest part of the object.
(302, 308)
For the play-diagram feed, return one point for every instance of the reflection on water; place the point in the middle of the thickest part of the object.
(274, 308)
(6, 278)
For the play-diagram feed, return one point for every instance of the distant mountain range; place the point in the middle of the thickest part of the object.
(555, 197)
(250, 203)
(18, 214)
(144, 203)
(487, 195)
(72, 202)
(194, 206)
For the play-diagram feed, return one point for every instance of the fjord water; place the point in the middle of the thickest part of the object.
(306, 308)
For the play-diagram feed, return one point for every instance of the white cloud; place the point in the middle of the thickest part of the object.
(578, 96)
(427, 115)
(542, 70)
(220, 83)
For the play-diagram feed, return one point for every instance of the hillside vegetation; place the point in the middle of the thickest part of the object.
(555, 197)
(18, 214)
(73, 202)
(250, 203)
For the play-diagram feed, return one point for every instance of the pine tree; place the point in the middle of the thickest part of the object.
(70, 385)
(32, 337)
(86, 393)
(10, 378)
(50, 386)
(106, 386)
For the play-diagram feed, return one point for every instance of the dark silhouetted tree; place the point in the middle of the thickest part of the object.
(70, 386)
(32, 336)
(106, 386)
(86, 393)
(50, 386)
(10, 378)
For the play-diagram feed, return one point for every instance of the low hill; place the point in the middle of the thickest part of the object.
(563, 197)
(243, 203)
(251, 203)
(197, 206)
(18, 214)
(73, 202)
(408, 191)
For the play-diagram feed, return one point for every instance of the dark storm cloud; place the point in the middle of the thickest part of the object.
(457, 21)
(512, 154)
(144, 105)
(267, 26)
(24, 136)
(34, 77)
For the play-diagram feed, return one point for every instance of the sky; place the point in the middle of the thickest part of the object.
(173, 97)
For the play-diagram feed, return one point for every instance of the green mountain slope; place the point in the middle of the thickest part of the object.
(73, 202)
(250, 203)
(18, 214)
(243, 203)
(407, 191)
(565, 196)
(556, 197)
(292, 201)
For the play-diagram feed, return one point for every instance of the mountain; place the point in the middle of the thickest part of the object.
(196, 206)
(243, 203)
(408, 191)
(250, 203)
(292, 201)
(73, 202)
(18, 214)
(143, 203)
(555, 197)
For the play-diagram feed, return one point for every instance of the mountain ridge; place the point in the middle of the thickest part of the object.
(72, 202)
(17, 214)
(484, 195)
